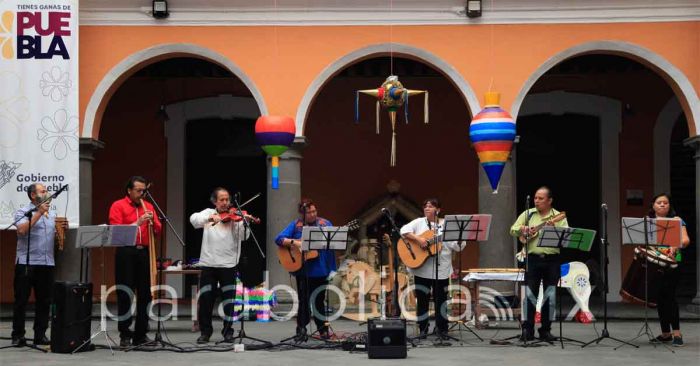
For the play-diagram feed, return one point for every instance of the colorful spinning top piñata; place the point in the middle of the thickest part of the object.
(275, 134)
(392, 96)
(492, 132)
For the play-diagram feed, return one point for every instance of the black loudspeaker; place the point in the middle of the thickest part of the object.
(71, 315)
(386, 338)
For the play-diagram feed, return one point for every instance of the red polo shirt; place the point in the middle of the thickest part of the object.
(125, 212)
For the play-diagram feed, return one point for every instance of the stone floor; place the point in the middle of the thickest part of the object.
(467, 351)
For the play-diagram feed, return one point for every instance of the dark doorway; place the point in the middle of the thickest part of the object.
(224, 153)
(562, 152)
(684, 201)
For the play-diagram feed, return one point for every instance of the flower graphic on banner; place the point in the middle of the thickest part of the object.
(14, 108)
(55, 84)
(6, 49)
(7, 210)
(59, 134)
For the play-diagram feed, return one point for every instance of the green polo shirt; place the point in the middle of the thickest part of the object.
(536, 219)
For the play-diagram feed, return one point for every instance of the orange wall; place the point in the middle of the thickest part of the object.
(283, 67)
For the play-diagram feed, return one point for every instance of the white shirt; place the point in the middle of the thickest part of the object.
(221, 244)
(427, 270)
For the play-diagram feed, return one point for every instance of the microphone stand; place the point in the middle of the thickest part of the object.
(395, 298)
(604, 243)
(242, 335)
(524, 304)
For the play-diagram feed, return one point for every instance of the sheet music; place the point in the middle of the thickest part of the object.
(106, 236)
(317, 237)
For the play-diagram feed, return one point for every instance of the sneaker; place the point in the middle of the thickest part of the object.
(661, 339)
(19, 341)
(677, 342)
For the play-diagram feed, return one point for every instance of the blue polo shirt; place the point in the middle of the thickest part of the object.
(42, 238)
(317, 267)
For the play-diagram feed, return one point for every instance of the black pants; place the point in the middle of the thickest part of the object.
(41, 279)
(313, 294)
(667, 305)
(132, 271)
(546, 270)
(210, 280)
(423, 287)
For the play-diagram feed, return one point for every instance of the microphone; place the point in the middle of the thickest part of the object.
(604, 206)
(385, 211)
(55, 194)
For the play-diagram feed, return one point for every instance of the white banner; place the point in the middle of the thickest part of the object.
(39, 126)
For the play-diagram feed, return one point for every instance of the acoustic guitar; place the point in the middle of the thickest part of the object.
(411, 253)
(290, 256)
(554, 219)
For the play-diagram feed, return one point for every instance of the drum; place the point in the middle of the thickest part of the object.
(633, 286)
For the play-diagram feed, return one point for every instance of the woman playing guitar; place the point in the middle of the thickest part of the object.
(313, 270)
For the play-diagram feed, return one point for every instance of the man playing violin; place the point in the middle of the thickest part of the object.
(542, 264)
(221, 250)
(314, 274)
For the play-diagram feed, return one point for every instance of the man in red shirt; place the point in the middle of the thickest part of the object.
(132, 263)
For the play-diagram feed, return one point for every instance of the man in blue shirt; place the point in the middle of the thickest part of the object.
(315, 272)
(38, 273)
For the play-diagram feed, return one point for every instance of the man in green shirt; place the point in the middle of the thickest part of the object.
(542, 263)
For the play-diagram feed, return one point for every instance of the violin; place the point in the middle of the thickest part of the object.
(235, 216)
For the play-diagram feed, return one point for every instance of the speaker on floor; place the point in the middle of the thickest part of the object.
(71, 315)
(386, 338)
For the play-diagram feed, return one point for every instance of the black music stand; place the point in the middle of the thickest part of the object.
(565, 238)
(650, 232)
(461, 228)
(323, 238)
(101, 236)
(606, 261)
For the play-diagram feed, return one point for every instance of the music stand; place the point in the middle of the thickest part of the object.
(461, 228)
(565, 238)
(102, 236)
(650, 232)
(323, 238)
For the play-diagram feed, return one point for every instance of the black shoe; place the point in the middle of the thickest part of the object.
(423, 332)
(677, 342)
(443, 334)
(546, 336)
(41, 341)
(662, 339)
(229, 336)
(527, 335)
(125, 342)
(19, 341)
(203, 339)
(140, 340)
